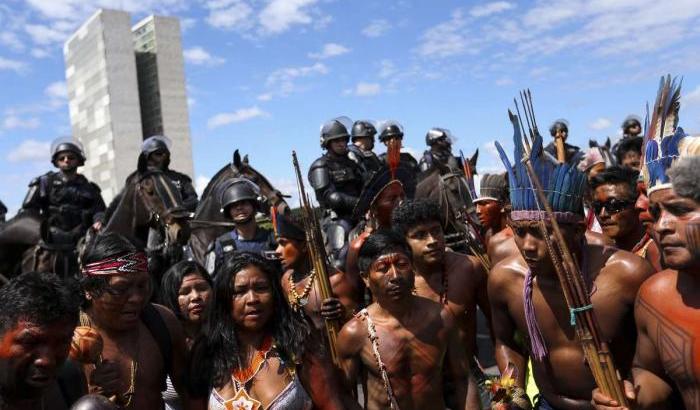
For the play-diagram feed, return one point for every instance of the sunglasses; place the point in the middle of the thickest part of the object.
(612, 205)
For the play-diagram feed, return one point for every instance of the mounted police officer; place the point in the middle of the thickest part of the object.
(67, 203)
(360, 151)
(439, 142)
(337, 181)
(559, 130)
(155, 155)
(392, 130)
(240, 201)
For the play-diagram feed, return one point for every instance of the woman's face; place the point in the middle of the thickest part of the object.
(193, 298)
(253, 304)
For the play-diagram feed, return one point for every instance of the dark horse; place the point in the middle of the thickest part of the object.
(449, 188)
(17, 237)
(209, 223)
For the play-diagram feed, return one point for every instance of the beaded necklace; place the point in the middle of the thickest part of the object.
(374, 339)
(299, 301)
(240, 377)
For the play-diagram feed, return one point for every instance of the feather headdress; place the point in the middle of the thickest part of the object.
(664, 140)
(563, 183)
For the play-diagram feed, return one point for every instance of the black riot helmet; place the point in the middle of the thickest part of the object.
(239, 189)
(438, 134)
(631, 121)
(363, 128)
(335, 129)
(390, 129)
(63, 144)
(155, 143)
(559, 124)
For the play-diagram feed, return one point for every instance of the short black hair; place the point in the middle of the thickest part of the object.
(626, 145)
(617, 175)
(380, 243)
(413, 212)
(41, 298)
(103, 246)
(172, 280)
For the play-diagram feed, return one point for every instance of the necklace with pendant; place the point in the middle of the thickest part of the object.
(240, 377)
(299, 301)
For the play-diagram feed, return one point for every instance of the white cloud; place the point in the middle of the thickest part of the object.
(39, 52)
(376, 28)
(14, 65)
(29, 150)
(11, 40)
(199, 56)
(600, 124)
(14, 122)
(56, 89)
(229, 14)
(282, 80)
(44, 35)
(200, 183)
(503, 81)
(363, 89)
(330, 50)
(386, 68)
(692, 98)
(488, 9)
(240, 115)
(187, 23)
(264, 97)
(447, 39)
(279, 15)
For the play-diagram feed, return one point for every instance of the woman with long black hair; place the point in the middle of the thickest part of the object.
(255, 353)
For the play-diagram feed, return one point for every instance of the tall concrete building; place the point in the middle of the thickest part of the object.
(125, 85)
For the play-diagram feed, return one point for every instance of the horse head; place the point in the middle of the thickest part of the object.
(272, 197)
(161, 201)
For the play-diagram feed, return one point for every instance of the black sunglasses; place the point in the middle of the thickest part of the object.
(612, 205)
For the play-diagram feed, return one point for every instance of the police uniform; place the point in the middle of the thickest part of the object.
(440, 142)
(368, 161)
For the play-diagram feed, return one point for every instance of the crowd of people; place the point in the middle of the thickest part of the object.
(92, 322)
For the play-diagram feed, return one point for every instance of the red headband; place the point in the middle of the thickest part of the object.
(128, 263)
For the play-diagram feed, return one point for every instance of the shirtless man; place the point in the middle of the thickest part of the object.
(300, 292)
(408, 334)
(143, 343)
(666, 312)
(449, 278)
(529, 283)
(38, 315)
(492, 207)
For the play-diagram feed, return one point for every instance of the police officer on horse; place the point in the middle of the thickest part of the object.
(361, 153)
(439, 142)
(392, 130)
(68, 205)
(337, 181)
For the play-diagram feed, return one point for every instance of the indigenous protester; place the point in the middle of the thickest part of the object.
(629, 153)
(186, 289)
(337, 181)
(451, 279)
(439, 142)
(402, 341)
(592, 163)
(360, 151)
(666, 312)
(300, 282)
(240, 201)
(142, 343)
(37, 319)
(651, 251)
(527, 297)
(382, 193)
(492, 209)
(559, 130)
(68, 204)
(614, 198)
(391, 131)
(256, 353)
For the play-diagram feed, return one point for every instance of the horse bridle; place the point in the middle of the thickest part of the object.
(171, 203)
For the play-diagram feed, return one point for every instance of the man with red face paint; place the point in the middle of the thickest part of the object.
(300, 284)
(667, 312)
(492, 207)
(38, 315)
(142, 343)
(650, 251)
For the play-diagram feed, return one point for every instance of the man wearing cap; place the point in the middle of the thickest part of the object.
(301, 284)
(240, 201)
(68, 204)
(526, 295)
(360, 151)
(439, 142)
(390, 131)
(337, 181)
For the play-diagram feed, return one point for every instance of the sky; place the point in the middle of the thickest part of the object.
(263, 75)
